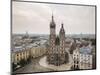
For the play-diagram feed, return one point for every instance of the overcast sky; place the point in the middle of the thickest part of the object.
(35, 18)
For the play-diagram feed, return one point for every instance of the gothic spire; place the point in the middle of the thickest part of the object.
(52, 23)
(62, 25)
(52, 17)
(62, 28)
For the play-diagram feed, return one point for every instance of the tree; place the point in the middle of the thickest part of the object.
(14, 67)
(22, 62)
(93, 41)
(29, 59)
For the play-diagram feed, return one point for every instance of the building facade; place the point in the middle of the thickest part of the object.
(85, 61)
(76, 58)
(20, 55)
(33, 52)
(82, 58)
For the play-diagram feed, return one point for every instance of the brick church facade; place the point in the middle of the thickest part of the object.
(56, 54)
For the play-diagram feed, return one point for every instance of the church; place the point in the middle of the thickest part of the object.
(56, 54)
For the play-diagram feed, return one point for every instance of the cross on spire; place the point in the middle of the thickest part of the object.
(52, 17)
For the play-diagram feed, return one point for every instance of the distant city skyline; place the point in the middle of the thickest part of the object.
(35, 18)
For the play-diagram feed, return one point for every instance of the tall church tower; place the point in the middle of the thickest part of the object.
(62, 44)
(52, 34)
(52, 38)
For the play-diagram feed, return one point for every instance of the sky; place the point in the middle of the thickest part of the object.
(35, 18)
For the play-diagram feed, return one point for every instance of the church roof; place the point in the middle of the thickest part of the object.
(85, 50)
(57, 41)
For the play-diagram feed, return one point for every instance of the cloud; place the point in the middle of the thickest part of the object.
(35, 18)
